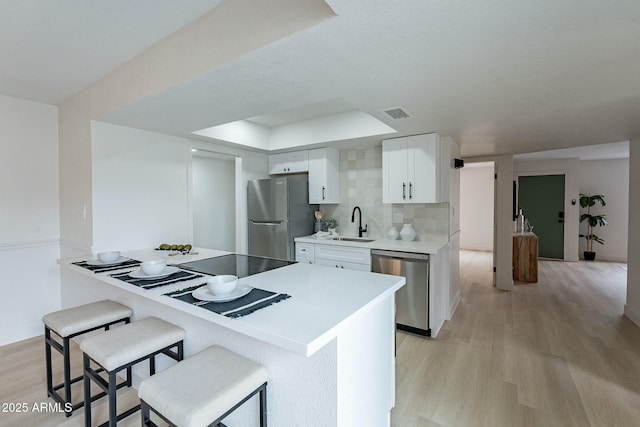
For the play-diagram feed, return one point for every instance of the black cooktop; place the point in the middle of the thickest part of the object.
(236, 264)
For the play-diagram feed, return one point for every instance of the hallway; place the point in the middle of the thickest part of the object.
(553, 353)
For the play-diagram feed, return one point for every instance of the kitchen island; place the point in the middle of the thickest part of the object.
(329, 347)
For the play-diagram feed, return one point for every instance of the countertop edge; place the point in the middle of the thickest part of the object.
(306, 349)
(422, 246)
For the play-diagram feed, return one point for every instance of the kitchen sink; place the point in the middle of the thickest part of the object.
(354, 239)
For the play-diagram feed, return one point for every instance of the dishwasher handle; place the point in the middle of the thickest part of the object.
(399, 255)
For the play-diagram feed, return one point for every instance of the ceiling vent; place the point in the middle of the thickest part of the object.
(397, 113)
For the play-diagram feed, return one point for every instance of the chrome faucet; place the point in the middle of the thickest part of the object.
(353, 219)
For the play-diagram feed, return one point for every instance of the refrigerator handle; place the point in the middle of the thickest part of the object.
(266, 222)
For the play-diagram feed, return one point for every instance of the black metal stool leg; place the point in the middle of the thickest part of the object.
(87, 391)
(152, 365)
(67, 371)
(113, 410)
(47, 355)
(263, 407)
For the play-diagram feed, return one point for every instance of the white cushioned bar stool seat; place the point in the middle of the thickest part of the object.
(69, 323)
(203, 389)
(120, 349)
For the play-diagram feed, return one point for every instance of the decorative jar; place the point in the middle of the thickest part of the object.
(392, 233)
(407, 233)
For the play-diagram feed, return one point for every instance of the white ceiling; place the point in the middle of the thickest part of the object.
(499, 77)
(51, 50)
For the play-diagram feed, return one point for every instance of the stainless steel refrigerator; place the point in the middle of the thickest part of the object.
(278, 210)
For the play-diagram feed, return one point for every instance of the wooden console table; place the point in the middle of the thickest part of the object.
(525, 257)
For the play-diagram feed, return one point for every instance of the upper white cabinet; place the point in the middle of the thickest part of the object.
(415, 170)
(293, 162)
(324, 176)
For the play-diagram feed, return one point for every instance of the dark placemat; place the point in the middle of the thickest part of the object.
(103, 268)
(178, 276)
(253, 301)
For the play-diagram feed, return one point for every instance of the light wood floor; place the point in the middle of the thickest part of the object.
(555, 353)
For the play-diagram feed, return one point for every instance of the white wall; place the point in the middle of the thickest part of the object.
(476, 206)
(140, 197)
(611, 179)
(29, 219)
(632, 306)
(214, 202)
(141, 190)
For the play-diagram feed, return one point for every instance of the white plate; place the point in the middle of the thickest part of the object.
(205, 294)
(139, 274)
(98, 263)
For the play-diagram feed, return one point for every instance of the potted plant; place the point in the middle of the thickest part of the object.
(587, 202)
(329, 224)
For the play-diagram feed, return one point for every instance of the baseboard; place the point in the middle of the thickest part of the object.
(22, 333)
(482, 248)
(454, 304)
(435, 329)
(610, 258)
(632, 314)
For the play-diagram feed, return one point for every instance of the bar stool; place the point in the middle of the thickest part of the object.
(120, 349)
(204, 389)
(70, 323)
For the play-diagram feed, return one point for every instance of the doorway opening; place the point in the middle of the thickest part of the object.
(213, 178)
(477, 208)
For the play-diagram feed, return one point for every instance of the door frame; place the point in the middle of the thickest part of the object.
(240, 190)
(568, 225)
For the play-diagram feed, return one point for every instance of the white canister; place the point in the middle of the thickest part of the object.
(407, 233)
(392, 233)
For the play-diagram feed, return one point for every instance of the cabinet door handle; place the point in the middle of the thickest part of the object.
(323, 193)
(404, 191)
(410, 191)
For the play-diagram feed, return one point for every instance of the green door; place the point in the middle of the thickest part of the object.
(541, 199)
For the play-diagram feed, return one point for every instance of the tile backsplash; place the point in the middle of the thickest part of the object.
(361, 185)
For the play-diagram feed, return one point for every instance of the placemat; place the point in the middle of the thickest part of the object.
(102, 269)
(253, 301)
(179, 276)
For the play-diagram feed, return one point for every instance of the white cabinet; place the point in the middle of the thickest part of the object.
(293, 162)
(337, 256)
(304, 253)
(413, 169)
(347, 257)
(324, 176)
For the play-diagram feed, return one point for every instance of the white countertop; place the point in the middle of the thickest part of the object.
(323, 299)
(422, 247)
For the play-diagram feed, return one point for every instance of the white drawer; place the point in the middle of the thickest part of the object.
(304, 253)
(343, 254)
(342, 264)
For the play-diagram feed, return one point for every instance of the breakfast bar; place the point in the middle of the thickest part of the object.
(326, 338)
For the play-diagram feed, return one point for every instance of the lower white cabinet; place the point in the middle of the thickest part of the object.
(343, 264)
(336, 256)
(305, 253)
(343, 257)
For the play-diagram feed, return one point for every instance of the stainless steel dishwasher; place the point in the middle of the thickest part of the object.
(412, 300)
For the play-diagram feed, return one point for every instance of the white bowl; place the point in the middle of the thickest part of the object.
(108, 257)
(222, 284)
(153, 267)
